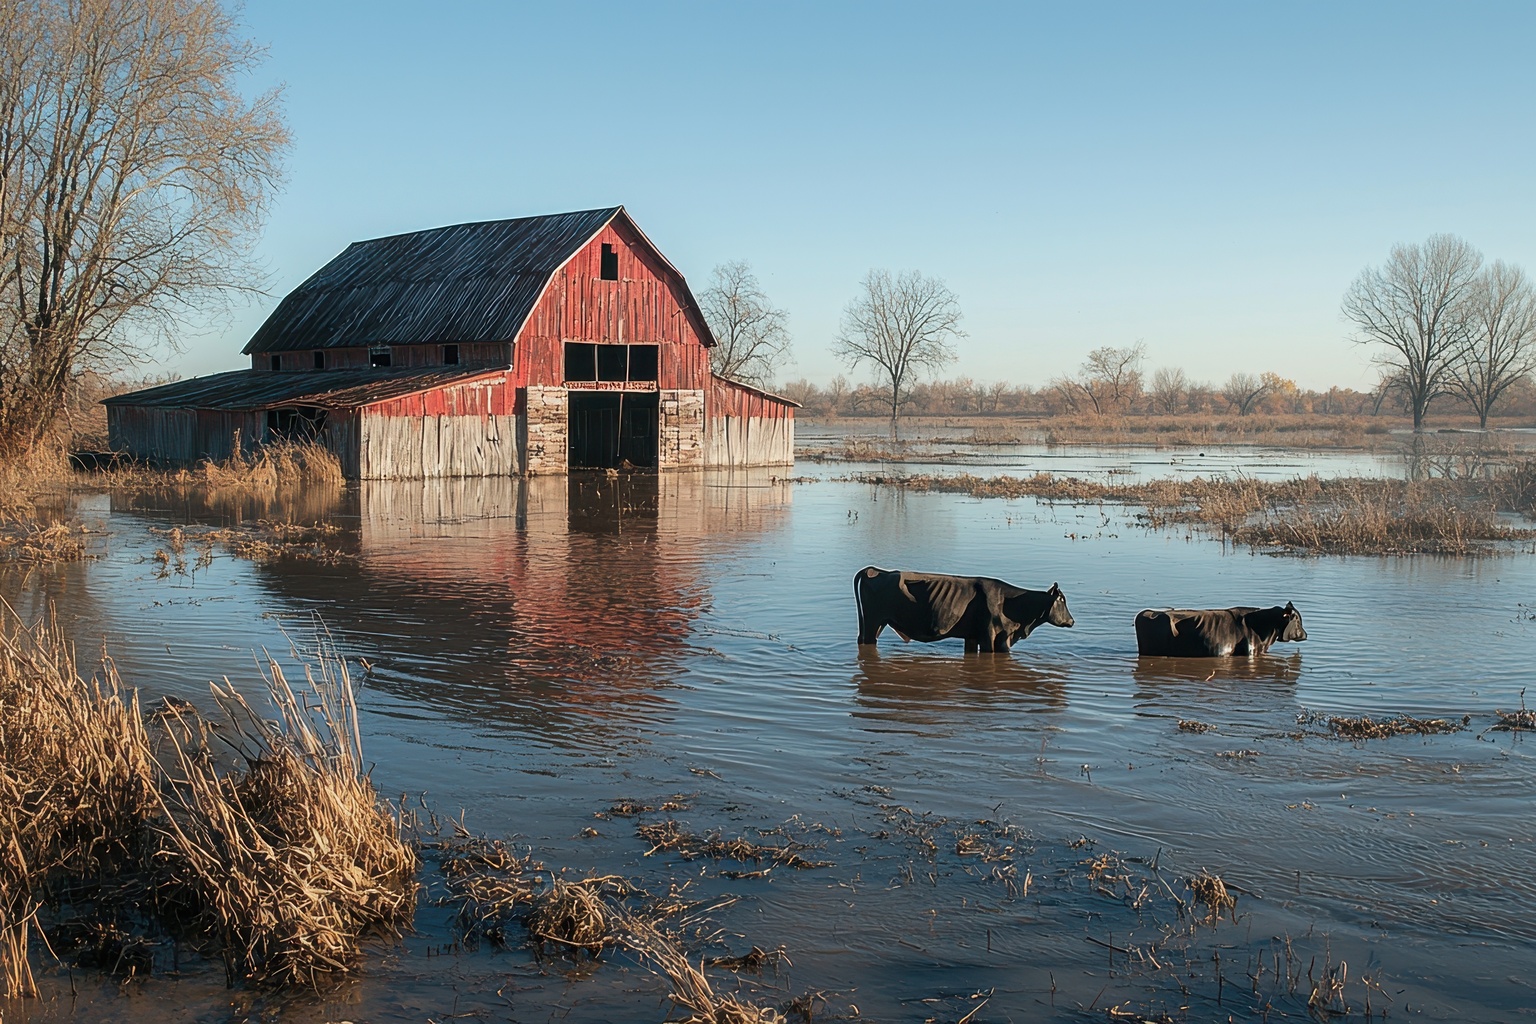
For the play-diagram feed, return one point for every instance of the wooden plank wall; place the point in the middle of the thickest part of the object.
(646, 305)
(745, 427)
(434, 445)
(182, 436)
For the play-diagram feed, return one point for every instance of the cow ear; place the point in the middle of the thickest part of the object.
(1055, 588)
(1290, 609)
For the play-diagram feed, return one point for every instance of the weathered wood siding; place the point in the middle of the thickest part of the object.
(545, 429)
(467, 429)
(745, 427)
(681, 444)
(182, 436)
(428, 446)
(645, 306)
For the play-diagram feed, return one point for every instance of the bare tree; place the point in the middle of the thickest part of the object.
(1501, 347)
(133, 180)
(902, 326)
(1168, 389)
(1418, 309)
(752, 335)
(1243, 390)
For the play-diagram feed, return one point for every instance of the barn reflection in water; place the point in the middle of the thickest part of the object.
(545, 604)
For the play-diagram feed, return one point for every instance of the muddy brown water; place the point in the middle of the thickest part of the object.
(543, 649)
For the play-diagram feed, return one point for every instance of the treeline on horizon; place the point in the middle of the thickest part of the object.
(1265, 394)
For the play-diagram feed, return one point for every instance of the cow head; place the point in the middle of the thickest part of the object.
(1057, 614)
(1290, 624)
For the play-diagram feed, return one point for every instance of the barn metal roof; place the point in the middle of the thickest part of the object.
(463, 283)
(328, 389)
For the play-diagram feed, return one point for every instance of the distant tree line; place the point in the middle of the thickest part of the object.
(1171, 393)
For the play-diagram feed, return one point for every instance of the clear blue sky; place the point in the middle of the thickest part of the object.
(1206, 178)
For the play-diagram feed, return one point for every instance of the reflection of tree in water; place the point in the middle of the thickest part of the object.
(923, 687)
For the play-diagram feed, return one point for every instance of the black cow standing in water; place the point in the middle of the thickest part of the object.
(1216, 632)
(988, 614)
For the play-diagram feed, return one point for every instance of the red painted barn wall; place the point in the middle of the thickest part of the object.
(494, 396)
(646, 305)
(727, 398)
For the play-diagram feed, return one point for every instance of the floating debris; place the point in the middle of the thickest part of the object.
(1367, 728)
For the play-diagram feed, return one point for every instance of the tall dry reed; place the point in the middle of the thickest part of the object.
(77, 783)
(283, 867)
(276, 465)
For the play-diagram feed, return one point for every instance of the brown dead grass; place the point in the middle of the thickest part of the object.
(691, 987)
(35, 544)
(282, 868)
(279, 867)
(77, 783)
(1366, 728)
(1210, 890)
(1299, 430)
(273, 466)
(1455, 516)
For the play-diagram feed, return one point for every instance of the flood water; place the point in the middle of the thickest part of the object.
(543, 649)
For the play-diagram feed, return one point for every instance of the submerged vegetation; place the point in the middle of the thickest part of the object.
(1443, 515)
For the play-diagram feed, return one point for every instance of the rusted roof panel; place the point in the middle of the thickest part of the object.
(327, 389)
(463, 283)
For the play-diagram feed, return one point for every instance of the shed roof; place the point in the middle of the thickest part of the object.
(330, 389)
(463, 283)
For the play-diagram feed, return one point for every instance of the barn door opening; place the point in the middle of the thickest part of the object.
(614, 429)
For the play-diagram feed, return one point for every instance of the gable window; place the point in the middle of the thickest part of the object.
(450, 355)
(610, 267)
(580, 361)
(319, 359)
(277, 362)
(379, 356)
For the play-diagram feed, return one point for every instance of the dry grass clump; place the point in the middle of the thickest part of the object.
(1366, 728)
(1212, 891)
(1511, 721)
(281, 869)
(29, 475)
(691, 990)
(579, 916)
(36, 545)
(1190, 725)
(76, 783)
(275, 465)
(671, 837)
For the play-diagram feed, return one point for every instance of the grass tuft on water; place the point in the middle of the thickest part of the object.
(691, 988)
(1365, 727)
(281, 868)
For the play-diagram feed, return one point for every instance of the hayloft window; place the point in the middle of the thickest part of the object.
(450, 355)
(379, 356)
(319, 360)
(277, 362)
(610, 267)
(580, 361)
(613, 362)
(643, 361)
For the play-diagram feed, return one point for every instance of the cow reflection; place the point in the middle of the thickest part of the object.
(1200, 677)
(927, 688)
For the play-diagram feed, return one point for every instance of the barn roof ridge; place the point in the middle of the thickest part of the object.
(474, 282)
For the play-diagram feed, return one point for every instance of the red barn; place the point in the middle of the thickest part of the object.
(534, 345)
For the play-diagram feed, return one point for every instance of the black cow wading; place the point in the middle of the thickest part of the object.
(988, 614)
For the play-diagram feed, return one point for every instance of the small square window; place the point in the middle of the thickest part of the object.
(610, 267)
(450, 355)
(319, 360)
(378, 357)
(613, 362)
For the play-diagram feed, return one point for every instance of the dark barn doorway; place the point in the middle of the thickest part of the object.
(611, 428)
